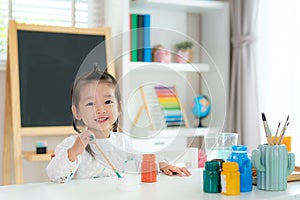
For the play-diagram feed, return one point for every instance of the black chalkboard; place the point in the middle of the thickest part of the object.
(48, 65)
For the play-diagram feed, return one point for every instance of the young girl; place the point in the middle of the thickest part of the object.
(96, 105)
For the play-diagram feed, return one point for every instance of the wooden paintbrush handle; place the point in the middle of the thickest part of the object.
(104, 156)
(270, 141)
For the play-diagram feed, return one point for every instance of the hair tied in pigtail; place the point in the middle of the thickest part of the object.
(96, 67)
(97, 70)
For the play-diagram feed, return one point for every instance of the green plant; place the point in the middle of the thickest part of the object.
(184, 45)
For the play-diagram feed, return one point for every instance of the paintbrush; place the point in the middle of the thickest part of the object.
(107, 160)
(283, 129)
(275, 137)
(267, 130)
(282, 135)
(92, 139)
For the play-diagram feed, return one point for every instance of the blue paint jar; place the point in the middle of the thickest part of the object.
(239, 155)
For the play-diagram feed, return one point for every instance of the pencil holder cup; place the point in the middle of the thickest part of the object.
(273, 165)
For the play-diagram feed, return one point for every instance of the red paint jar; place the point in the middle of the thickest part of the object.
(149, 172)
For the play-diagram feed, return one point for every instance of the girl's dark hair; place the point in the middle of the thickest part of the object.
(88, 77)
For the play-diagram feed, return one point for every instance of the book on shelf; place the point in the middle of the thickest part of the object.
(147, 44)
(134, 37)
(140, 37)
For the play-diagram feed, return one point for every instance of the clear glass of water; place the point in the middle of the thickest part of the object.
(218, 145)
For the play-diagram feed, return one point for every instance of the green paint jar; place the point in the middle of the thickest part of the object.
(211, 177)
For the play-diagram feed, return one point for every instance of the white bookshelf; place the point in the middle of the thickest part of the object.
(180, 67)
(205, 22)
(195, 6)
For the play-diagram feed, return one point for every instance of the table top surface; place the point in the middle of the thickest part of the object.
(167, 187)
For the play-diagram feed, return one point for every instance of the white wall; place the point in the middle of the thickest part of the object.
(2, 94)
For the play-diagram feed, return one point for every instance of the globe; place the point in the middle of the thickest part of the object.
(201, 107)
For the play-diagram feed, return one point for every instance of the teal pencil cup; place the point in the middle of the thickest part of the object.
(273, 165)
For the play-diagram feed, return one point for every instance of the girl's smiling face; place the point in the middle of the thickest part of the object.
(98, 107)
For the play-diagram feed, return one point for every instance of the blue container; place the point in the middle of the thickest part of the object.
(239, 155)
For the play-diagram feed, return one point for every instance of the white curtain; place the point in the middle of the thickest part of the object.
(243, 114)
(279, 71)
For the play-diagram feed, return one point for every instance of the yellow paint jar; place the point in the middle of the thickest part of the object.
(230, 178)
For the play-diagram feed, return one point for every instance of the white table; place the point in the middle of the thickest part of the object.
(166, 188)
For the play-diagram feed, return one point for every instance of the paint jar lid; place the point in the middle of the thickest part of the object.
(220, 161)
(230, 166)
(239, 149)
(212, 166)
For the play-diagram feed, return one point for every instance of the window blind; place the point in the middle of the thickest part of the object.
(3, 28)
(68, 13)
(96, 13)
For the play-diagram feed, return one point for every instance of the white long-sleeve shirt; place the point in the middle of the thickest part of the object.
(117, 148)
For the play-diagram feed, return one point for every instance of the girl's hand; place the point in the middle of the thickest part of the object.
(86, 137)
(172, 170)
(82, 140)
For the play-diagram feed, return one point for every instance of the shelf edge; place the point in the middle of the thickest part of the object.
(32, 156)
(156, 66)
(187, 5)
